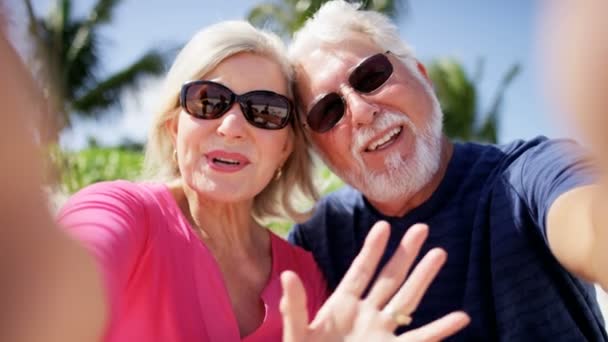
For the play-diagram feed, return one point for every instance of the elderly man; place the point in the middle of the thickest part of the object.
(520, 222)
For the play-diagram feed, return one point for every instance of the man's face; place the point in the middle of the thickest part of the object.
(387, 144)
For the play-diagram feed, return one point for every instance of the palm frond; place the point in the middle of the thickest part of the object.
(270, 16)
(106, 94)
(457, 96)
(507, 79)
(101, 13)
(488, 132)
(82, 72)
(389, 7)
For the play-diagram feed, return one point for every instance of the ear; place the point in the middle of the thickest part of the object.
(422, 70)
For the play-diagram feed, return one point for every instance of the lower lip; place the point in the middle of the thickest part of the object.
(226, 168)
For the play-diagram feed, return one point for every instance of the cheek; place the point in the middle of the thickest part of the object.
(190, 140)
(411, 98)
(272, 147)
(336, 145)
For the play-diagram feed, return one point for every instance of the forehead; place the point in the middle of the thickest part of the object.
(327, 66)
(244, 72)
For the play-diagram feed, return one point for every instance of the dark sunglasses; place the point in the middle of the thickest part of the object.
(210, 100)
(366, 77)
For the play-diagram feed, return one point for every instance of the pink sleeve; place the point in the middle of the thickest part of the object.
(108, 219)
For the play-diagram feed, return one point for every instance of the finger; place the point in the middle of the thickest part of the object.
(362, 269)
(393, 274)
(293, 308)
(439, 329)
(409, 295)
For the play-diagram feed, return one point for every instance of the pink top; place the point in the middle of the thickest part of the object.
(162, 282)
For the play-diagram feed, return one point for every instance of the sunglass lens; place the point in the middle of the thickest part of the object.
(265, 109)
(326, 113)
(207, 100)
(371, 73)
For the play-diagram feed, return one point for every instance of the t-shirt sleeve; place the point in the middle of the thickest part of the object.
(108, 219)
(546, 171)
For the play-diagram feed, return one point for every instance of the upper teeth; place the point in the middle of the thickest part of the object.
(388, 136)
(229, 161)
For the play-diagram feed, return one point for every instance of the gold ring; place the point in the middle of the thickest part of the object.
(401, 319)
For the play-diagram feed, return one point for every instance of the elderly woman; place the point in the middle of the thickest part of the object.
(184, 256)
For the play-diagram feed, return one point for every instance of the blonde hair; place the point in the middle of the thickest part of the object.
(207, 49)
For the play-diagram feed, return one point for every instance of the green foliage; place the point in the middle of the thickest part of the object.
(287, 16)
(96, 164)
(280, 227)
(329, 181)
(459, 98)
(67, 57)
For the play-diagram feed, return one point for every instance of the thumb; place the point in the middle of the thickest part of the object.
(293, 308)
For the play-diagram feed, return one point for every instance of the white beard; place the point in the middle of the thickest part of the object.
(402, 178)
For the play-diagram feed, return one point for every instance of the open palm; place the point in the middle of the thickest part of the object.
(345, 316)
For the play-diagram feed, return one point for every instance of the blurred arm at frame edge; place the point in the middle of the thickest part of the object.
(50, 288)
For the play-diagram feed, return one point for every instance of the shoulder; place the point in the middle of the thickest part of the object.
(338, 203)
(549, 157)
(333, 210)
(513, 157)
(514, 148)
(119, 197)
(476, 153)
(542, 146)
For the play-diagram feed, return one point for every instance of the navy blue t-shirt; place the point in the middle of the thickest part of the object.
(489, 214)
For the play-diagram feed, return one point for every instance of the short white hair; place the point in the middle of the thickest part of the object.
(337, 21)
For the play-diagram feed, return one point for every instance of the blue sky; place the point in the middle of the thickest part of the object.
(500, 32)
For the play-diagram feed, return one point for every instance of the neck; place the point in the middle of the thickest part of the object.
(225, 228)
(402, 207)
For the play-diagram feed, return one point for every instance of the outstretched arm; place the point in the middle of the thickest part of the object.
(49, 287)
(576, 48)
(389, 304)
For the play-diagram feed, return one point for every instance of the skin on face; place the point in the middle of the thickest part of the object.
(406, 97)
(261, 151)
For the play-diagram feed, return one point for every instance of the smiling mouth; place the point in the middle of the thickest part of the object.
(385, 140)
(225, 161)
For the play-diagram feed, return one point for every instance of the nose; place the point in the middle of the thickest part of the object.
(233, 124)
(362, 111)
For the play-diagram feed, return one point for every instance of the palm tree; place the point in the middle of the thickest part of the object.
(67, 53)
(287, 16)
(458, 96)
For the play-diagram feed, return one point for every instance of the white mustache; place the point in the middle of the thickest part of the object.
(385, 120)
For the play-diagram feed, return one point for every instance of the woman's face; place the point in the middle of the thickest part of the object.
(227, 159)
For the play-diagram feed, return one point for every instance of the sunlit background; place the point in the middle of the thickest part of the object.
(487, 37)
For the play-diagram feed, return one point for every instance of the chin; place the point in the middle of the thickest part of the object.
(219, 190)
(403, 175)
